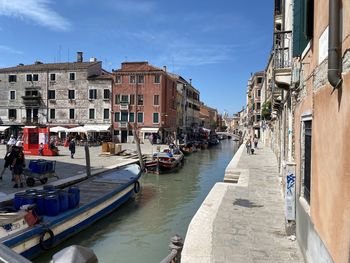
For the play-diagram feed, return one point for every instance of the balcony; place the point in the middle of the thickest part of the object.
(283, 59)
(124, 106)
(123, 124)
(32, 97)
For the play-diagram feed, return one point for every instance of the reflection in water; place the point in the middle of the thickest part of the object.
(141, 229)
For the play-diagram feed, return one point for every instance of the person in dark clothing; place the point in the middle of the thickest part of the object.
(18, 163)
(72, 148)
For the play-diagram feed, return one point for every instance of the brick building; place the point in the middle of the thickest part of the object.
(145, 98)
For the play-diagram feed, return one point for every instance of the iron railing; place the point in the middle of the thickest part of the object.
(175, 246)
(282, 49)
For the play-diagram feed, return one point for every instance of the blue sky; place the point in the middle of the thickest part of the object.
(215, 43)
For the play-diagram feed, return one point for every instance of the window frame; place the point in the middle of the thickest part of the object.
(140, 79)
(93, 92)
(54, 114)
(50, 91)
(54, 77)
(117, 113)
(70, 114)
(155, 78)
(92, 115)
(154, 99)
(133, 118)
(69, 93)
(140, 99)
(104, 94)
(12, 78)
(134, 79)
(70, 74)
(140, 114)
(118, 79)
(14, 95)
(155, 114)
(104, 114)
(14, 115)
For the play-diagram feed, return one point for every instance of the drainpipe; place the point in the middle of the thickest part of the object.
(334, 71)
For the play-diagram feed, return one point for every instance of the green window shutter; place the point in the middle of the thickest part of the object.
(116, 116)
(302, 25)
(155, 117)
(131, 117)
(139, 117)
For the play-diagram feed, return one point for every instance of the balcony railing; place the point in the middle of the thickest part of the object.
(124, 106)
(123, 124)
(282, 49)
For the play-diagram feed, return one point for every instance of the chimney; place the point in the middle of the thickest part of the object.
(164, 68)
(92, 59)
(191, 82)
(79, 56)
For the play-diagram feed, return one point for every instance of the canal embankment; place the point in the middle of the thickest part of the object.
(242, 218)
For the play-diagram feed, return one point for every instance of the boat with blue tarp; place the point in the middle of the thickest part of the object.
(64, 212)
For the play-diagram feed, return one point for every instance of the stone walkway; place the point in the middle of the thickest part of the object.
(248, 222)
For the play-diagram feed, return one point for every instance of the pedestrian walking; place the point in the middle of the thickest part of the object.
(18, 163)
(41, 149)
(12, 142)
(72, 148)
(248, 145)
(256, 142)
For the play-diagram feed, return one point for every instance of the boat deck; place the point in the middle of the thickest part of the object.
(100, 185)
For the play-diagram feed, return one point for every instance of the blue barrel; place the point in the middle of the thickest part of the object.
(18, 200)
(40, 201)
(76, 191)
(63, 197)
(28, 191)
(49, 187)
(52, 205)
(29, 199)
(71, 201)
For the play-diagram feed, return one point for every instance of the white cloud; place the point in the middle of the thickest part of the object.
(7, 49)
(38, 11)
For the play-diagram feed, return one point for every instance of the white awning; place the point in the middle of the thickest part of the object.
(3, 128)
(30, 127)
(97, 128)
(76, 129)
(58, 129)
(149, 130)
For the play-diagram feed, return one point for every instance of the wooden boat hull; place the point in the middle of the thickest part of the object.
(28, 243)
(162, 166)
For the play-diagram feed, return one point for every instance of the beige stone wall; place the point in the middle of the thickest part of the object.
(330, 179)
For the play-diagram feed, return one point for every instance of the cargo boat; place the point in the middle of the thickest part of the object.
(99, 196)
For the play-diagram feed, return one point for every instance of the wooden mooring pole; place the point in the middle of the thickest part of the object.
(138, 149)
(87, 158)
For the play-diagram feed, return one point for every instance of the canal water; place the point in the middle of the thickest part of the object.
(140, 230)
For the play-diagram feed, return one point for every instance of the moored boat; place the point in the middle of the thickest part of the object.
(91, 200)
(163, 162)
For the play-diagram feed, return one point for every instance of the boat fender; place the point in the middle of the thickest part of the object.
(48, 243)
(137, 187)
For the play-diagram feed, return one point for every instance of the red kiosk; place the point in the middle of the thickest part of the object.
(33, 137)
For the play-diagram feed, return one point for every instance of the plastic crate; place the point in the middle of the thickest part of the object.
(38, 166)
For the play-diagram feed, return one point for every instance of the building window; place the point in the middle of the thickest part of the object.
(12, 78)
(106, 114)
(124, 116)
(91, 114)
(157, 78)
(13, 114)
(12, 95)
(29, 77)
(106, 94)
(124, 99)
(131, 117)
(52, 114)
(259, 80)
(258, 117)
(140, 79)
(52, 77)
(116, 132)
(72, 76)
(307, 160)
(156, 100)
(117, 99)
(258, 106)
(92, 94)
(258, 92)
(71, 114)
(32, 77)
(118, 79)
(116, 116)
(35, 77)
(51, 94)
(132, 99)
(140, 117)
(155, 117)
(71, 94)
(132, 79)
(140, 99)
